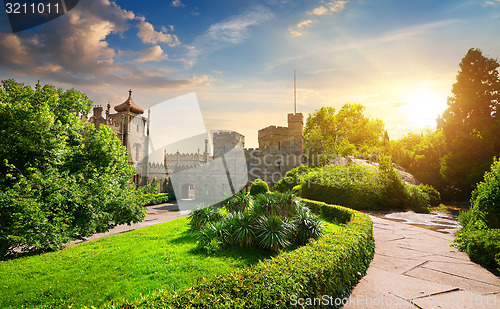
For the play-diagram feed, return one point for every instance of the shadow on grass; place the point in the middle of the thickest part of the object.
(186, 237)
(248, 256)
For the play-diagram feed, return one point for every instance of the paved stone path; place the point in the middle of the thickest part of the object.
(412, 264)
(156, 214)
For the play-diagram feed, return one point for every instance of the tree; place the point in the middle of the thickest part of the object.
(60, 178)
(349, 132)
(421, 155)
(471, 122)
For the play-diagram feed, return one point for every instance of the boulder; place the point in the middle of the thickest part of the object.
(351, 160)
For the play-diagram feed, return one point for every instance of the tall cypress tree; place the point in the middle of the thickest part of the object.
(471, 123)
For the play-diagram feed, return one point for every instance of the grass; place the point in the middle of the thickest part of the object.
(120, 266)
(453, 208)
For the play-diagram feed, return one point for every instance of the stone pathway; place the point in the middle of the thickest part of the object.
(416, 268)
(156, 214)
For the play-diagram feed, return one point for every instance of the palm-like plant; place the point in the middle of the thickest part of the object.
(239, 202)
(243, 228)
(265, 205)
(204, 215)
(213, 236)
(274, 232)
(287, 202)
(308, 226)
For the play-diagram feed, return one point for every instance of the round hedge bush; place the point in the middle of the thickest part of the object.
(258, 187)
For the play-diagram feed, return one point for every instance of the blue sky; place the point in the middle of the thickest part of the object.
(398, 58)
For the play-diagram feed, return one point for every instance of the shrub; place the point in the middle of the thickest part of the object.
(274, 232)
(202, 216)
(330, 265)
(258, 187)
(485, 201)
(240, 201)
(434, 195)
(417, 199)
(292, 179)
(213, 236)
(243, 228)
(270, 223)
(483, 246)
(307, 226)
(158, 198)
(480, 235)
(362, 187)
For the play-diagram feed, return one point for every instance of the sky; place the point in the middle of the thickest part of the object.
(399, 58)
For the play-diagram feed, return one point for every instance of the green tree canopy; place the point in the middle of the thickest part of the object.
(421, 155)
(471, 123)
(60, 178)
(348, 132)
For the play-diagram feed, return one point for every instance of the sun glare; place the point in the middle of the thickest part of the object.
(424, 106)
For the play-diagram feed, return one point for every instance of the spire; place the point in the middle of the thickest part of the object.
(294, 92)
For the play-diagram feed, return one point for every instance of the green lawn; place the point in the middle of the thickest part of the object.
(119, 266)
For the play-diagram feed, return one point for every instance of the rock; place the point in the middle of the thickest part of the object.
(405, 175)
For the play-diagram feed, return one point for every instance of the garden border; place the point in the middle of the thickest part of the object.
(325, 269)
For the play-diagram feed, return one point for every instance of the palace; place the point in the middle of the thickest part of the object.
(201, 174)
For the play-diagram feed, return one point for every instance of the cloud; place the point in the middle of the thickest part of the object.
(490, 3)
(154, 53)
(326, 9)
(320, 10)
(73, 50)
(329, 8)
(297, 30)
(177, 3)
(149, 35)
(12, 50)
(229, 32)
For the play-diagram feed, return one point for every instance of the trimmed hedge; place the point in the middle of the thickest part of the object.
(159, 198)
(330, 265)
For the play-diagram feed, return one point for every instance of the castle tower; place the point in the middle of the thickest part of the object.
(295, 127)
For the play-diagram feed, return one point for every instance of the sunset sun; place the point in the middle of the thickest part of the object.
(424, 106)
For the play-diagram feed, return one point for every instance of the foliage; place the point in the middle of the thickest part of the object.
(483, 246)
(59, 179)
(243, 228)
(292, 179)
(330, 265)
(203, 216)
(348, 132)
(273, 221)
(159, 198)
(433, 194)
(258, 187)
(125, 265)
(240, 201)
(486, 198)
(362, 187)
(480, 235)
(421, 155)
(471, 122)
(274, 232)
